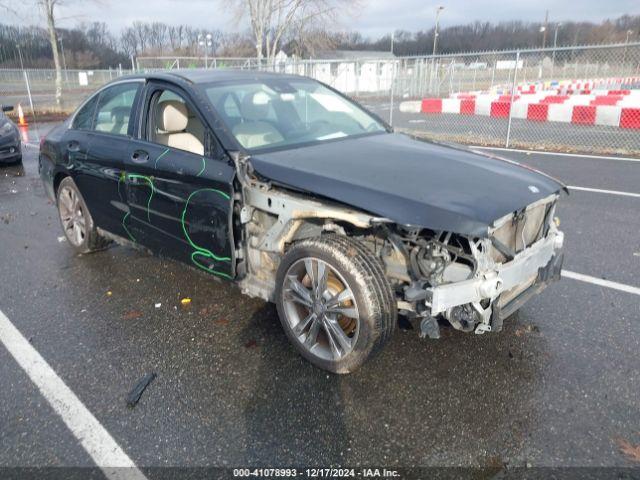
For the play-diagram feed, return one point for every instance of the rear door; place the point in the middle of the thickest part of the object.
(99, 153)
(179, 184)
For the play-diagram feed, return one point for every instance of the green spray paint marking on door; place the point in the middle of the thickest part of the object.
(124, 219)
(126, 176)
(155, 165)
(203, 167)
(200, 251)
(153, 190)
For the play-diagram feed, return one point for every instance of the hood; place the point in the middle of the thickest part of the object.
(409, 181)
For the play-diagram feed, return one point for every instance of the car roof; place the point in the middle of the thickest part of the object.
(198, 76)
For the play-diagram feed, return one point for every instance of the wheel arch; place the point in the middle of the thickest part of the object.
(57, 179)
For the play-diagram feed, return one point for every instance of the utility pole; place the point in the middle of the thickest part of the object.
(543, 29)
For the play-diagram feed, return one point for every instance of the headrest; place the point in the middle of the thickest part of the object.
(255, 106)
(172, 116)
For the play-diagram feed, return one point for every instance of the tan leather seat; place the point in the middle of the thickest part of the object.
(171, 122)
(254, 131)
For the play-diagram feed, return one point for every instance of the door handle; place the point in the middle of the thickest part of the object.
(73, 146)
(139, 156)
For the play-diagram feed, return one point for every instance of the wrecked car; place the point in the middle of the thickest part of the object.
(304, 198)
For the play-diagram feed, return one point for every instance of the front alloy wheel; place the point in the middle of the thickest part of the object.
(334, 302)
(320, 308)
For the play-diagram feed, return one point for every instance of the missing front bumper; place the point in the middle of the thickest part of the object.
(546, 275)
(528, 273)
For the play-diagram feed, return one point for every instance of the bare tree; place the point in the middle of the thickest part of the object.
(271, 19)
(129, 41)
(49, 8)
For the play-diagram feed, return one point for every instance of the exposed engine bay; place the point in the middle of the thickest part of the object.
(471, 282)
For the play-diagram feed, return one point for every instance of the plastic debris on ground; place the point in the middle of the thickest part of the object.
(134, 395)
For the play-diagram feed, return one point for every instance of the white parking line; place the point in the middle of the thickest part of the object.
(559, 154)
(601, 282)
(94, 438)
(599, 190)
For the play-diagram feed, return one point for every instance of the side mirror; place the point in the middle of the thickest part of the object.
(7, 108)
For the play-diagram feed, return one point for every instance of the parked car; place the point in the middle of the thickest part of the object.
(10, 145)
(306, 199)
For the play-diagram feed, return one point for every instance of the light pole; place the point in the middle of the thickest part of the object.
(555, 35)
(555, 44)
(543, 31)
(435, 46)
(20, 56)
(205, 41)
(393, 77)
(435, 32)
(626, 42)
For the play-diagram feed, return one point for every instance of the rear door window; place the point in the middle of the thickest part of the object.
(115, 108)
(84, 118)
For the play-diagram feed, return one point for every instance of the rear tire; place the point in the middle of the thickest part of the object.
(77, 222)
(334, 302)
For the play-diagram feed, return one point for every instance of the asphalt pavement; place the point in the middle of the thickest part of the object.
(559, 386)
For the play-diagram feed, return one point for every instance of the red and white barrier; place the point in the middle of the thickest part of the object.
(616, 108)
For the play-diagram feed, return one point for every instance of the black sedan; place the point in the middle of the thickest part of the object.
(304, 198)
(10, 145)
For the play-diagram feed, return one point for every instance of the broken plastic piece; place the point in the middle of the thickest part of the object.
(482, 328)
(429, 328)
(134, 395)
(185, 301)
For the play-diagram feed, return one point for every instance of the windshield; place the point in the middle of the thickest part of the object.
(282, 112)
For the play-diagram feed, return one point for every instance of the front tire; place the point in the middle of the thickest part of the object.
(334, 302)
(76, 219)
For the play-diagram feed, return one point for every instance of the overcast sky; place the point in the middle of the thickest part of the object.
(376, 17)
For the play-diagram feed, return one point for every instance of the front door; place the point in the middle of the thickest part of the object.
(180, 185)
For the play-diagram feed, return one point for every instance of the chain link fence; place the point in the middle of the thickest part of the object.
(35, 90)
(583, 99)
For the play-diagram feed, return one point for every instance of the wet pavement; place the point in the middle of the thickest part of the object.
(560, 386)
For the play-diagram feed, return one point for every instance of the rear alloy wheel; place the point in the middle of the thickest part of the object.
(76, 220)
(334, 302)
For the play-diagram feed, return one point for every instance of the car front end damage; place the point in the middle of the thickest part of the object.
(475, 283)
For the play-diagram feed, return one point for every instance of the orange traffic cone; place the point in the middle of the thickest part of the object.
(21, 120)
